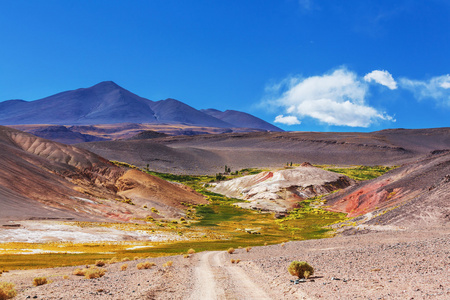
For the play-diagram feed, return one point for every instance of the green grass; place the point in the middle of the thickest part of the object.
(360, 172)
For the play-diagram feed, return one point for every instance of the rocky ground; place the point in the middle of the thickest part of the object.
(399, 264)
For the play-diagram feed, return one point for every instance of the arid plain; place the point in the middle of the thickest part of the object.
(369, 211)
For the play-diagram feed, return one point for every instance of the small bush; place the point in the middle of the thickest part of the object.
(39, 281)
(145, 265)
(112, 261)
(7, 290)
(168, 264)
(186, 256)
(66, 277)
(300, 269)
(79, 272)
(136, 258)
(282, 244)
(238, 261)
(94, 273)
(230, 250)
(191, 251)
(100, 263)
(123, 267)
(232, 261)
(125, 259)
(248, 249)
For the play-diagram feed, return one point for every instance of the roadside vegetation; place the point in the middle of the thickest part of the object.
(220, 225)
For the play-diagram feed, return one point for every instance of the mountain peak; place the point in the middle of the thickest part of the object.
(107, 84)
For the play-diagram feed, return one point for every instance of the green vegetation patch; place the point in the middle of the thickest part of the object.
(359, 172)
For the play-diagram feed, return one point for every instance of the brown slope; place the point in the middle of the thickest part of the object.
(39, 176)
(418, 192)
(209, 153)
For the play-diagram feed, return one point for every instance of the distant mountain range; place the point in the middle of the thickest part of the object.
(108, 103)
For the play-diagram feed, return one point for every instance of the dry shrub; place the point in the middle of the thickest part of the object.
(230, 250)
(145, 265)
(123, 267)
(66, 277)
(136, 258)
(191, 251)
(39, 281)
(301, 269)
(100, 263)
(248, 249)
(186, 255)
(232, 261)
(94, 273)
(168, 264)
(79, 272)
(238, 260)
(7, 290)
(113, 260)
(125, 259)
(265, 244)
(282, 244)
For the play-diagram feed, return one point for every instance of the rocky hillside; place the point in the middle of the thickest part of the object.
(416, 194)
(44, 179)
(281, 191)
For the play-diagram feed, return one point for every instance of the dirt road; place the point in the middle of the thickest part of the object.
(216, 278)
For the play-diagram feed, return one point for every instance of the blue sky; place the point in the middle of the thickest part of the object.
(350, 65)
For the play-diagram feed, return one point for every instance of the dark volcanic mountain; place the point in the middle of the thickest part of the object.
(240, 119)
(105, 102)
(108, 103)
(174, 111)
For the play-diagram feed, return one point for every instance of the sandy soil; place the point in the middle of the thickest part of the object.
(409, 264)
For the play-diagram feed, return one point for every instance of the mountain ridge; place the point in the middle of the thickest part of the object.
(109, 103)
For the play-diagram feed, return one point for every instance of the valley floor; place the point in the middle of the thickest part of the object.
(401, 264)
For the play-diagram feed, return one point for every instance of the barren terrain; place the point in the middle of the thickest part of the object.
(401, 264)
(208, 154)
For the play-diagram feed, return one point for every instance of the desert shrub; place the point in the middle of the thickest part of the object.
(301, 269)
(238, 261)
(39, 281)
(125, 259)
(92, 273)
(113, 260)
(7, 290)
(79, 272)
(145, 265)
(191, 251)
(100, 263)
(66, 277)
(136, 258)
(232, 261)
(168, 264)
(123, 267)
(265, 244)
(248, 249)
(230, 250)
(186, 255)
(282, 244)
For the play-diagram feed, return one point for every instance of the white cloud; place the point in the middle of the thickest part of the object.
(287, 120)
(437, 88)
(381, 77)
(337, 98)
